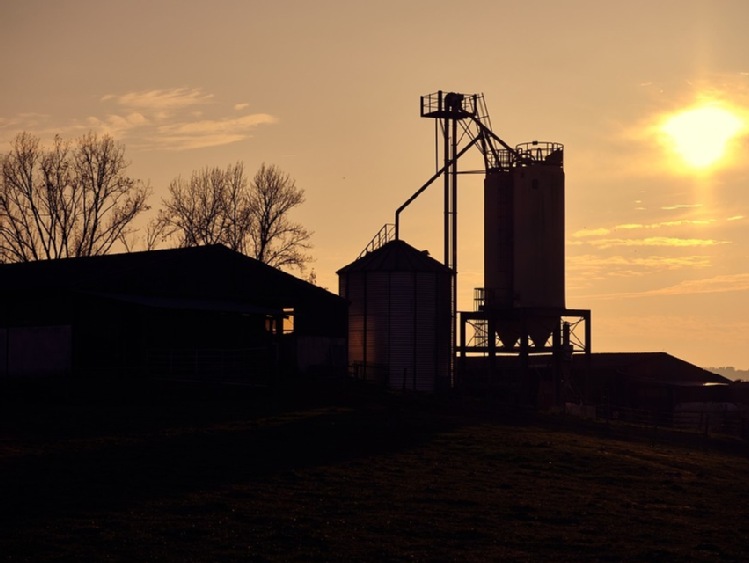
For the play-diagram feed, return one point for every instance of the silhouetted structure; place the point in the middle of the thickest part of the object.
(520, 322)
(654, 381)
(194, 313)
(399, 317)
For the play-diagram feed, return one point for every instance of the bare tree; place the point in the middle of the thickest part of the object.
(219, 206)
(66, 200)
(275, 239)
(209, 208)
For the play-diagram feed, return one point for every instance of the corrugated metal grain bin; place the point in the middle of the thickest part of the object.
(399, 317)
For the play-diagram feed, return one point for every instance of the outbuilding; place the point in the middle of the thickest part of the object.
(194, 313)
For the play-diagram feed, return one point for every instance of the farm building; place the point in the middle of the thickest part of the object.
(655, 387)
(645, 380)
(399, 318)
(194, 313)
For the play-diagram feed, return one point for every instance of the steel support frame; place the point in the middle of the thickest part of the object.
(523, 349)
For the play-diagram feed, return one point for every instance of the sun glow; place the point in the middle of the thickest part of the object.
(701, 135)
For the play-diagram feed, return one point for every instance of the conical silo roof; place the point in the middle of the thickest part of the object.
(395, 256)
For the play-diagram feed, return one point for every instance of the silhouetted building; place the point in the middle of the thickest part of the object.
(195, 313)
(653, 381)
(399, 317)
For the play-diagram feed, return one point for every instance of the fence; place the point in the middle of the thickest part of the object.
(702, 418)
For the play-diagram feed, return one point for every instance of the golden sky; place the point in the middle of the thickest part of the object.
(639, 92)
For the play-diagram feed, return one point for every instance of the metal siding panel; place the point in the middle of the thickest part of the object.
(353, 286)
(399, 322)
(440, 328)
(427, 337)
(539, 236)
(401, 341)
(498, 235)
(377, 319)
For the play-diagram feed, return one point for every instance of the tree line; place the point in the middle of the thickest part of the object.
(74, 198)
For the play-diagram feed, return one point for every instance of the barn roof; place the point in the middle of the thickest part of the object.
(396, 256)
(657, 367)
(204, 272)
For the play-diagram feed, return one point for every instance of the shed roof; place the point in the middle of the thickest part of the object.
(203, 272)
(396, 256)
(658, 367)
(190, 304)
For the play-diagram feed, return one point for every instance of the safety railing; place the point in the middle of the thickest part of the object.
(383, 236)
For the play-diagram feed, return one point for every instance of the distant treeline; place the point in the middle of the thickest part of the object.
(731, 373)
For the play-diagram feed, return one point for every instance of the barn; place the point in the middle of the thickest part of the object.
(194, 313)
(655, 384)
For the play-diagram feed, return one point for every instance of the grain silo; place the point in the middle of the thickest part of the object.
(524, 240)
(399, 317)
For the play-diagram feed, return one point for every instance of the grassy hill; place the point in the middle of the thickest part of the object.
(347, 473)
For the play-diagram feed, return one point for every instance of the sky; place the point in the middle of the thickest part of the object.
(657, 241)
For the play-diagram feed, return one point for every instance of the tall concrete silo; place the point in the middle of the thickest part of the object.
(399, 317)
(524, 241)
(522, 303)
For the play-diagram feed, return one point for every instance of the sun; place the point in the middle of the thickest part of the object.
(701, 135)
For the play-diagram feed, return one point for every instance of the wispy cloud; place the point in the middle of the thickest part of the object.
(680, 206)
(165, 119)
(603, 231)
(633, 235)
(727, 283)
(589, 269)
(606, 243)
(23, 120)
(116, 125)
(646, 262)
(591, 232)
(718, 284)
(177, 119)
(207, 132)
(160, 100)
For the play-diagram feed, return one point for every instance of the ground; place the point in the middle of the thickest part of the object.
(341, 472)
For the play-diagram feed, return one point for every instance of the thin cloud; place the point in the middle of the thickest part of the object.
(680, 206)
(602, 231)
(176, 119)
(118, 125)
(729, 283)
(158, 119)
(718, 284)
(662, 224)
(584, 271)
(160, 100)
(209, 126)
(649, 262)
(23, 119)
(676, 242)
(591, 232)
(211, 133)
(37, 123)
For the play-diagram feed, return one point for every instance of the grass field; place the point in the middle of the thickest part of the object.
(346, 473)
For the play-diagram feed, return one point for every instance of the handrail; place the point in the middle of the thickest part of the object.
(383, 236)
